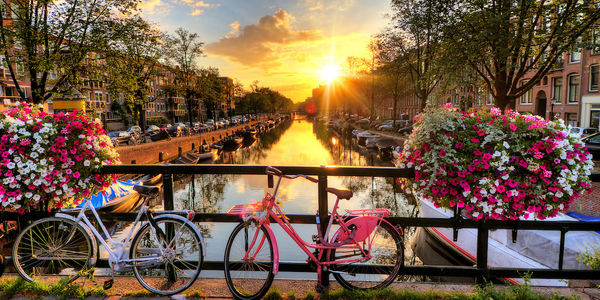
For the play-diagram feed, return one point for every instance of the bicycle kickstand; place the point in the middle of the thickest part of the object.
(109, 283)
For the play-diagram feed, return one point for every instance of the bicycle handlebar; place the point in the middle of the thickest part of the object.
(277, 172)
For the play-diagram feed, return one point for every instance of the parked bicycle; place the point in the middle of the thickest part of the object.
(365, 252)
(165, 254)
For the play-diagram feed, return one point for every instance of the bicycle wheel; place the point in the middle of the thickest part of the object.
(387, 258)
(249, 278)
(53, 246)
(175, 268)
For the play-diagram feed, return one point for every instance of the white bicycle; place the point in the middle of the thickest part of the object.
(165, 254)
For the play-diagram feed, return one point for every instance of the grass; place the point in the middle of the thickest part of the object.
(61, 290)
(65, 290)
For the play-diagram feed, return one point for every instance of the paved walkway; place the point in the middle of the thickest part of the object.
(216, 288)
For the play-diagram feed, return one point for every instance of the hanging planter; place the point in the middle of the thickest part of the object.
(494, 165)
(48, 161)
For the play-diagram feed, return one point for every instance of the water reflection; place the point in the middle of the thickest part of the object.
(297, 142)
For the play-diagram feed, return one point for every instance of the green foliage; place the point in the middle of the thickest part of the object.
(273, 294)
(591, 258)
(158, 121)
(138, 294)
(263, 99)
(61, 290)
(196, 294)
(56, 37)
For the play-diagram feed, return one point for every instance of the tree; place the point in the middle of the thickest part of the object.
(182, 51)
(415, 39)
(507, 42)
(209, 89)
(54, 37)
(391, 59)
(131, 61)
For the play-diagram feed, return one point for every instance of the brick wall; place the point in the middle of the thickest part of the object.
(148, 153)
(589, 203)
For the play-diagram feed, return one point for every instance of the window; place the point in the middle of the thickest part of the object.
(557, 89)
(573, 92)
(594, 69)
(98, 96)
(575, 55)
(571, 119)
(489, 99)
(527, 98)
(595, 41)
(545, 80)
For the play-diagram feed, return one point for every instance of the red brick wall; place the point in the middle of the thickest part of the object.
(589, 203)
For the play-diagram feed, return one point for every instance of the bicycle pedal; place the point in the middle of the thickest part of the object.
(108, 284)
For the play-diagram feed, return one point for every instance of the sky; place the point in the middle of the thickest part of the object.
(284, 45)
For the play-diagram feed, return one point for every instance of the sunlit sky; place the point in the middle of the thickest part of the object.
(285, 45)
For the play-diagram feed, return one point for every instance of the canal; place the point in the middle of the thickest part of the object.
(293, 142)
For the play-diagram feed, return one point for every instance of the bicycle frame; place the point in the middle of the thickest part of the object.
(269, 204)
(82, 217)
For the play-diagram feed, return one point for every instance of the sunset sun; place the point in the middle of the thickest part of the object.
(330, 73)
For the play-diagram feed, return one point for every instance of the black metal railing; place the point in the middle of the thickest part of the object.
(481, 271)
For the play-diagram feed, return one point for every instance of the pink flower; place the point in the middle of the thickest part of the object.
(442, 153)
(474, 140)
(513, 126)
(459, 145)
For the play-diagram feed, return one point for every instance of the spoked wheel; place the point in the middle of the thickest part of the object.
(177, 266)
(249, 261)
(387, 258)
(53, 246)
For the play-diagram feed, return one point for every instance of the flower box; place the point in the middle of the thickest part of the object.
(495, 165)
(50, 161)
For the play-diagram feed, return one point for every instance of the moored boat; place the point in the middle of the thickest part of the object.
(119, 197)
(533, 249)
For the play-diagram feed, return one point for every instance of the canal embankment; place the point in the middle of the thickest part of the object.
(148, 153)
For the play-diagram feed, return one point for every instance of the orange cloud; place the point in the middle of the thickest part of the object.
(257, 45)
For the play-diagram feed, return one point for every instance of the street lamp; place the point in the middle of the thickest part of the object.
(552, 100)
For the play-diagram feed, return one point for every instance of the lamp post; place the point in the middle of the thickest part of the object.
(552, 100)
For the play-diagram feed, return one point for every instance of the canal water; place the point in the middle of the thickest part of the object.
(293, 142)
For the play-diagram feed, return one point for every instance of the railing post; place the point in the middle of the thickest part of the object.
(160, 156)
(324, 217)
(168, 192)
(180, 151)
(482, 252)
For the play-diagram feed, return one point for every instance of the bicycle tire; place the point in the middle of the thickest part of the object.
(243, 287)
(390, 250)
(156, 276)
(2, 261)
(45, 237)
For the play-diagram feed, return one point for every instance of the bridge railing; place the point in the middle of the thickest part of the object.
(480, 270)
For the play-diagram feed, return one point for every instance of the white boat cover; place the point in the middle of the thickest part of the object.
(533, 249)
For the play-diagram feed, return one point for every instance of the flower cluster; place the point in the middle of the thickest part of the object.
(49, 161)
(495, 165)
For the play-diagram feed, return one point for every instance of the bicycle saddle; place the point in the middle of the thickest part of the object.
(340, 193)
(145, 190)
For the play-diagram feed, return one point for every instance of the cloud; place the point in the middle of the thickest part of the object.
(153, 7)
(259, 45)
(197, 12)
(340, 5)
(195, 3)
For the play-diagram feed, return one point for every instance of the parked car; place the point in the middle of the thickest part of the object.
(196, 126)
(582, 132)
(119, 138)
(137, 132)
(165, 127)
(152, 129)
(592, 143)
(210, 123)
(185, 131)
(174, 130)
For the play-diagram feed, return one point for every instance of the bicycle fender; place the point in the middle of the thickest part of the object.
(87, 230)
(275, 250)
(183, 219)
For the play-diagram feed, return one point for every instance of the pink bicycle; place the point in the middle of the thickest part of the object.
(365, 252)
